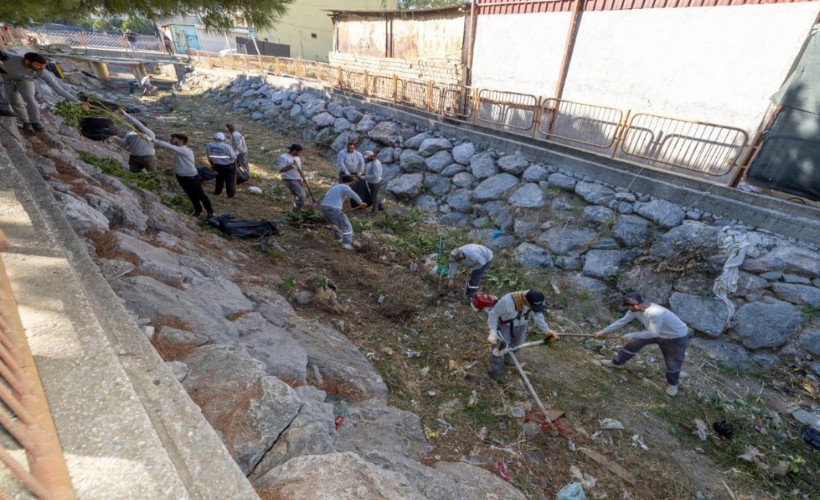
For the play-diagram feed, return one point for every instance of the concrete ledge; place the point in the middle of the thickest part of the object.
(793, 220)
(128, 428)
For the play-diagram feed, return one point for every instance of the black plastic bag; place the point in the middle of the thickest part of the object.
(241, 175)
(243, 228)
(98, 129)
(205, 174)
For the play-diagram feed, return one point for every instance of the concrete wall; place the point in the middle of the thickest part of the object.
(718, 64)
(306, 18)
(436, 38)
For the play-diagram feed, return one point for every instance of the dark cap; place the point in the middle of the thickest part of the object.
(632, 299)
(536, 301)
(295, 147)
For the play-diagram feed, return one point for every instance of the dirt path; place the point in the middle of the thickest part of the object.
(429, 346)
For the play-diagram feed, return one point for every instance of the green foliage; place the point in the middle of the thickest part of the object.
(177, 203)
(217, 15)
(106, 24)
(289, 283)
(138, 25)
(112, 167)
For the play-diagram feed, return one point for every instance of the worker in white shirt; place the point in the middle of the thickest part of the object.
(476, 258)
(332, 210)
(350, 161)
(290, 168)
(238, 143)
(662, 327)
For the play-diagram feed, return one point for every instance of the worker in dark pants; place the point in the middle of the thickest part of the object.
(476, 258)
(187, 174)
(223, 161)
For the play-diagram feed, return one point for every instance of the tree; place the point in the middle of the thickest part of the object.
(217, 15)
(426, 4)
(139, 25)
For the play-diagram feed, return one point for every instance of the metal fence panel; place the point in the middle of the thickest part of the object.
(587, 124)
(508, 109)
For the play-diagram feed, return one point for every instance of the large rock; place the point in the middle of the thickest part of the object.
(459, 200)
(513, 164)
(499, 213)
(535, 173)
(749, 284)
(642, 278)
(494, 188)
(387, 133)
(483, 166)
(373, 426)
(528, 196)
(343, 139)
(343, 476)
(337, 110)
(247, 408)
(415, 141)
(566, 203)
(453, 169)
(341, 124)
(83, 219)
(603, 264)
(760, 325)
(406, 186)
(690, 235)
(478, 483)
(593, 193)
(153, 261)
(323, 120)
(463, 179)
(437, 184)
(706, 315)
(366, 124)
(438, 161)
(426, 202)
(811, 341)
(797, 294)
(725, 353)
(410, 161)
(385, 155)
(120, 207)
(274, 346)
(632, 231)
(562, 181)
(314, 108)
(591, 284)
(661, 212)
(431, 483)
(598, 214)
(433, 145)
(562, 241)
(463, 152)
(786, 259)
(529, 255)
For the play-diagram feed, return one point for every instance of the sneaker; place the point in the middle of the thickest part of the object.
(607, 363)
(210, 215)
(196, 214)
(37, 127)
(672, 391)
(26, 127)
(347, 246)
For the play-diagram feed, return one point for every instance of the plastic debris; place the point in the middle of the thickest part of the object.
(572, 491)
(424, 371)
(723, 430)
(445, 424)
(482, 433)
(473, 400)
(412, 354)
(587, 481)
(751, 454)
(338, 420)
(701, 429)
(637, 440)
(432, 394)
(517, 412)
(572, 446)
(380, 300)
(501, 468)
(255, 190)
(611, 423)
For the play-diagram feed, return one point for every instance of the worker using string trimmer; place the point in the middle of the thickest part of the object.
(508, 319)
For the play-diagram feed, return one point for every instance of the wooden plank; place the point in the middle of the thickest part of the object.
(612, 466)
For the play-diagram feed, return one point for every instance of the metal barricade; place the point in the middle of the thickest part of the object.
(24, 412)
(353, 81)
(412, 92)
(706, 148)
(587, 124)
(382, 87)
(506, 109)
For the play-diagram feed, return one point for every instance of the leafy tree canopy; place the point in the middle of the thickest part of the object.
(218, 15)
(426, 4)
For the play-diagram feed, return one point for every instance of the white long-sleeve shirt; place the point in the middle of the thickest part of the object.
(184, 162)
(373, 171)
(238, 142)
(505, 310)
(288, 160)
(475, 257)
(220, 153)
(658, 321)
(16, 70)
(336, 195)
(350, 163)
(133, 142)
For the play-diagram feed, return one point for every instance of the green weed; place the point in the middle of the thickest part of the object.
(111, 167)
(289, 283)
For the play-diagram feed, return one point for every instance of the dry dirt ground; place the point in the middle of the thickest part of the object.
(429, 347)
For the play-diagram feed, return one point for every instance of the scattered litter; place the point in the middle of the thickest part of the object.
(587, 481)
(751, 454)
(482, 433)
(380, 300)
(473, 400)
(501, 468)
(414, 267)
(812, 437)
(432, 394)
(572, 446)
(651, 359)
(701, 429)
(613, 467)
(255, 190)
(430, 433)
(445, 424)
(723, 430)
(149, 331)
(412, 354)
(469, 364)
(760, 429)
(517, 412)
(572, 491)
(424, 371)
(338, 421)
(388, 351)
(637, 440)
(611, 423)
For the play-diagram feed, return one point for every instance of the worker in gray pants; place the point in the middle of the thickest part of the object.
(332, 205)
(662, 327)
(290, 168)
(476, 258)
(19, 73)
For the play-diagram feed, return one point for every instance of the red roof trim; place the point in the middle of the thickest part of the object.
(539, 6)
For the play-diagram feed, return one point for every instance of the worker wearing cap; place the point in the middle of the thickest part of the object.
(350, 161)
(290, 168)
(223, 161)
(476, 258)
(508, 320)
(662, 327)
(373, 175)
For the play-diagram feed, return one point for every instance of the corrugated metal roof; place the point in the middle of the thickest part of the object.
(537, 6)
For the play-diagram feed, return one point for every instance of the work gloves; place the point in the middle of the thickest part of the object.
(551, 337)
(493, 337)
